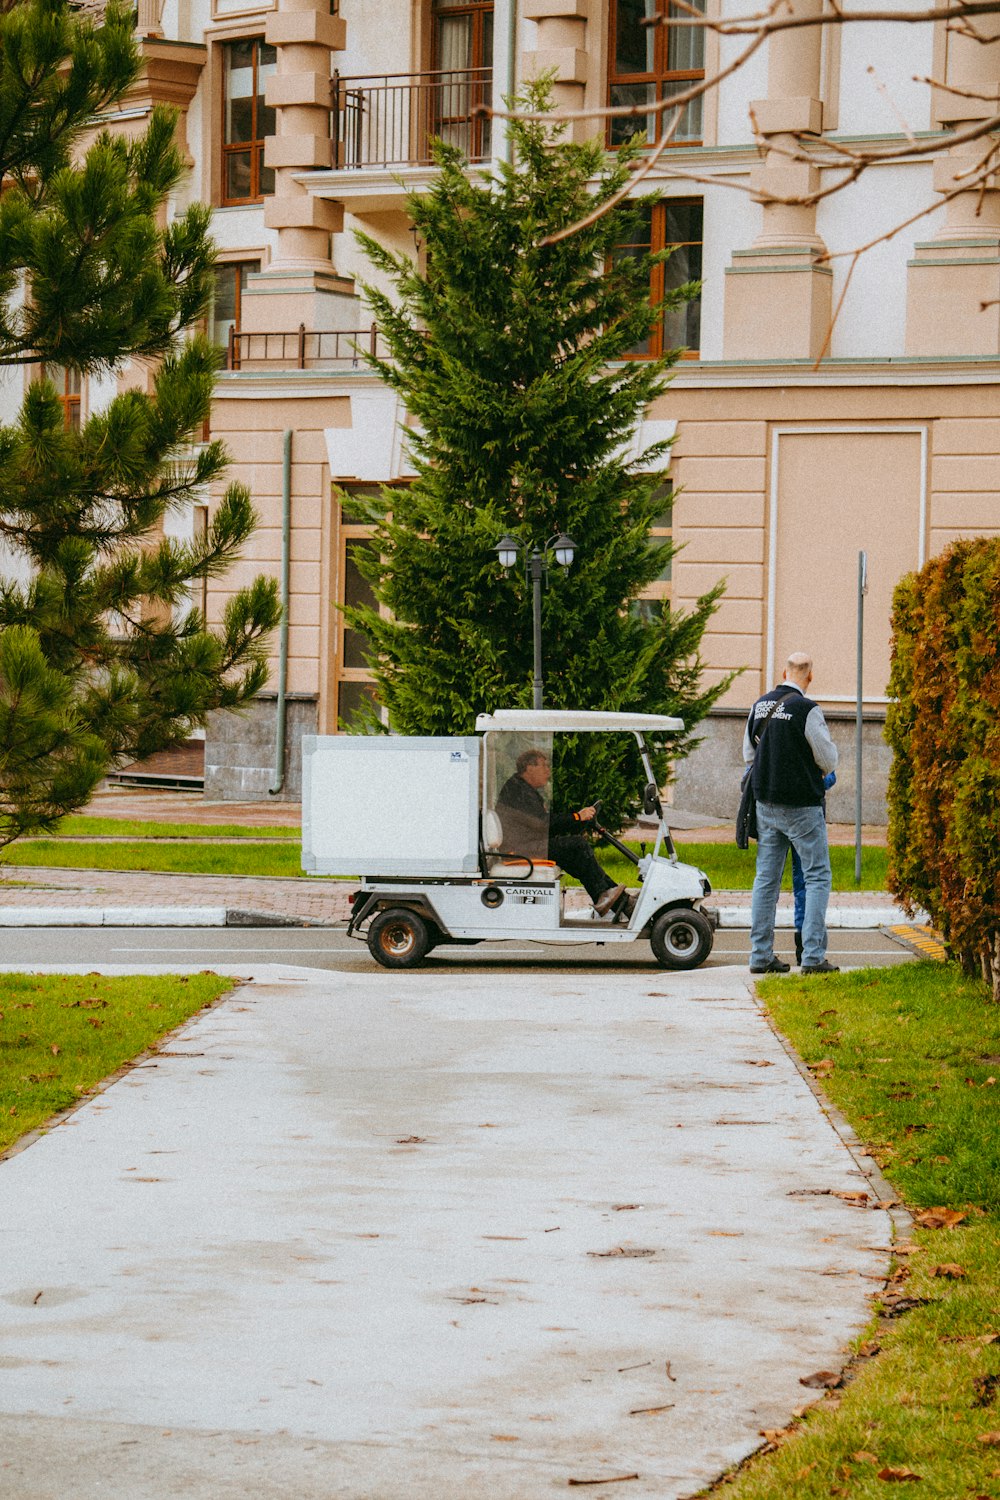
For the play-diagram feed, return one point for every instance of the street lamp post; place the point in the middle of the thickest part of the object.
(563, 548)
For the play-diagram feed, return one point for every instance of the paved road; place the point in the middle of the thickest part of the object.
(324, 948)
(378, 1235)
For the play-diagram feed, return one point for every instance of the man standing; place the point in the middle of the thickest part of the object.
(795, 753)
(530, 829)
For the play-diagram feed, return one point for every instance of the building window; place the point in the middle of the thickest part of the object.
(656, 596)
(676, 224)
(463, 69)
(354, 685)
(247, 120)
(69, 389)
(199, 535)
(650, 62)
(231, 279)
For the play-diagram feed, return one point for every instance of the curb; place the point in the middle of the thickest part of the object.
(856, 917)
(144, 916)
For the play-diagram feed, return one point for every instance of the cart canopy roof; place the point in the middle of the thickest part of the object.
(578, 721)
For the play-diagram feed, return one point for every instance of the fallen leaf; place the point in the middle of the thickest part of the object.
(822, 1069)
(823, 1379)
(503, 1437)
(861, 1457)
(939, 1218)
(985, 1387)
(897, 1474)
(773, 1434)
(989, 1439)
(411, 1140)
(949, 1270)
(55, 1050)
(870, 1349)
(859, 1198)
(906, 1247)
(753, 1062)
(894, 1304)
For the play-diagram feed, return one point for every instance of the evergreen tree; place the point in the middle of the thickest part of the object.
(506, 351)
(102, 657)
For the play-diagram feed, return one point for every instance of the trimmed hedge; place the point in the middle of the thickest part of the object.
(944, 728)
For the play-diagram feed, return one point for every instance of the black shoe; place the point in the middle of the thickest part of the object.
(775, 966)
(823, 968)
(607, 899)
(798, 945)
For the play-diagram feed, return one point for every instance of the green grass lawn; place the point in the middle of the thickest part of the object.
(732, 869)
(186, 857)
(728, 868)
(911, 1056)
(60, 1034)
(134, 828)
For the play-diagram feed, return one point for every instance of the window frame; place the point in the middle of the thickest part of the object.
(252, 265)
(348, 532)
(479, 126)
(70, 400)
(256, 142)
(660, 76)
(658, 273)
(660, 591)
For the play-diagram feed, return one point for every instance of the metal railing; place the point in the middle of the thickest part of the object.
(389, 119)
(330, 349)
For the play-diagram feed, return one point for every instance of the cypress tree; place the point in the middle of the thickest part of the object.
(507, 351)
(103, 658)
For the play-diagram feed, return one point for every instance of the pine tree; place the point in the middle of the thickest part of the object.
(102, 657)
(507, 352)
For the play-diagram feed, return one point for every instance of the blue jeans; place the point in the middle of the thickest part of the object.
(804, 830)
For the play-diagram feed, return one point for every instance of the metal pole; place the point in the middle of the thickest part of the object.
(858, 774)
(535, 574)
(286, 553)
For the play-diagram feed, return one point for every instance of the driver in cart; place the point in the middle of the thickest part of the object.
(530, 829)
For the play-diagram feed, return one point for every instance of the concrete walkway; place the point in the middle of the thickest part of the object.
(38, 897)
(378, 1235)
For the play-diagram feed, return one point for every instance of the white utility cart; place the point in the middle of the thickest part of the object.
(416, 820)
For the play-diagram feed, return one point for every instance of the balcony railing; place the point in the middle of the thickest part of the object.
(389, 119)
(331, 349)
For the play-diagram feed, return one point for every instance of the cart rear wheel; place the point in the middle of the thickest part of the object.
(681, 939)
(399, 938)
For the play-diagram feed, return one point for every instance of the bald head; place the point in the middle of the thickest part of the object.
(799, 669)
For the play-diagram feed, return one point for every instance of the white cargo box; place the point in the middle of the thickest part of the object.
(390, 805)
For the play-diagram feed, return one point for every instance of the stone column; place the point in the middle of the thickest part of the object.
(778, 297)
(953, 274)
(301, 286)
(562, 45)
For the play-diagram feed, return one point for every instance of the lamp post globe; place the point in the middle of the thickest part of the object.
(506, 550)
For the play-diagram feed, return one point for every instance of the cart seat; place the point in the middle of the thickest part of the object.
(502, 862)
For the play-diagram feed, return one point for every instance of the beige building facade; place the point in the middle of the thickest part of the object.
(801, 438)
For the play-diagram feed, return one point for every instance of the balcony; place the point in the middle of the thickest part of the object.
(389, 119)
(331, 349)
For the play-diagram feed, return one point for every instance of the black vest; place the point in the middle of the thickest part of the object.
(785, 771)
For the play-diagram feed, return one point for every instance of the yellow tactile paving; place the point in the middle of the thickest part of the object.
(923, 940)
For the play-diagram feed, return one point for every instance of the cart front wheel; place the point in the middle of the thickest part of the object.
(681, 939)
(398, 938)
